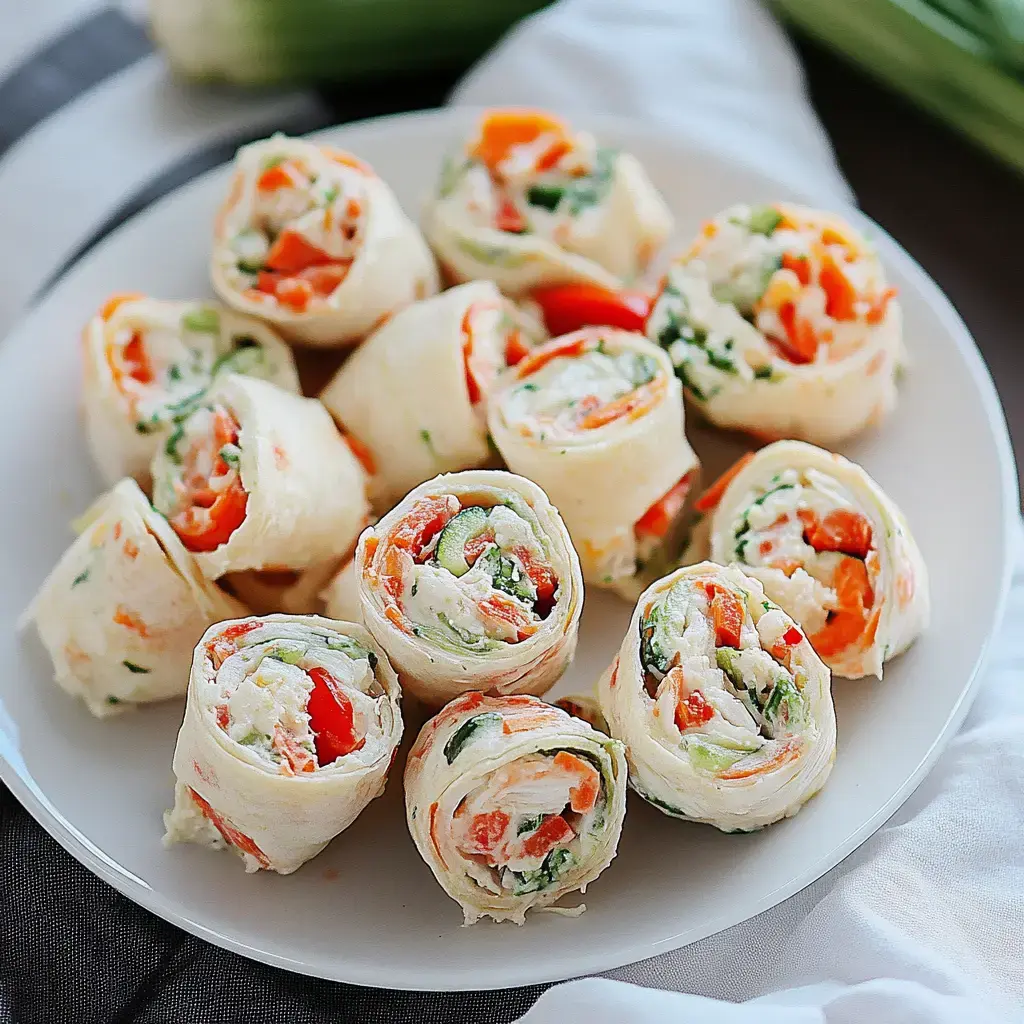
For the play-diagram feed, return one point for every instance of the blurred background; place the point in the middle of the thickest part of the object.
(923, 100)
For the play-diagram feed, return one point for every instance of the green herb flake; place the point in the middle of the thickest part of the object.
(80, 578)
(113, 700)
(763, 373)
(138, 669)
(530, 825)
(428, 440)
(330, 195)
(171, 444)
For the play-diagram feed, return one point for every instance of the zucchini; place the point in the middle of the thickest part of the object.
(451, 545)
(652, 657)
(466, 732)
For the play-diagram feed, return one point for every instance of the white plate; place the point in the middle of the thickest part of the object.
(367, 910)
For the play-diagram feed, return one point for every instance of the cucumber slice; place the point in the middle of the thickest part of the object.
(451, 545)
(710, 757)
(467, 732)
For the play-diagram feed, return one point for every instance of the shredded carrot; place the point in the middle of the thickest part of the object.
(799, 265)
(231, 835)
(876, 314)
(574, 345)
(124, 617)
(840, 295)
(744, 770)
(501, 131)
(630, 406)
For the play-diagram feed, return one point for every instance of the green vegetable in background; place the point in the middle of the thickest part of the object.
(962, 60)
(262, 42)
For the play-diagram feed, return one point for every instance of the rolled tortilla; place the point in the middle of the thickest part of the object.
(414, 393)
(147, 362)
(830, 547)
(513, 803)
(341, 595)
(472, 583)
(125, 605)
(288, 590)
(724, 707)
(256, 478)
(779, 322)
(596, 418)
(310, 239)
(291, 725)
(528, 202)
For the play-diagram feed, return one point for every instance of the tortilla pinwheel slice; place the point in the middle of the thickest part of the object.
(341, 594)
(257, 478)
(471, 583)
(780, 323)
(291, 725)
(513, 803)
(527, 202)
(125, 605)
(596, 418)
(146, 364)
(829, 546)
(724, 707)
(310, 239)
(413, 396)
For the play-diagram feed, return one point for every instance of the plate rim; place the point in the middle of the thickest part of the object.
(35, 801)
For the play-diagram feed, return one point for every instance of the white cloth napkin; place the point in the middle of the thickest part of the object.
(926, 921)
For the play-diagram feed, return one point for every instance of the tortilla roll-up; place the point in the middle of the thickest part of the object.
(288, 590)
(471, 583)
(513, 803)
(291, 725)
(529, 202)
(125, 605)
(724, 707)
(414, 394)
(779, 323)
(596, 418)
(312, 240)
(829, 546)
(146, 363)
(257, 478)
(341, 595)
